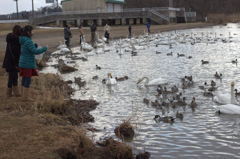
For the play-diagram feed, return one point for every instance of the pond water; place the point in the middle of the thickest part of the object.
(201, 133)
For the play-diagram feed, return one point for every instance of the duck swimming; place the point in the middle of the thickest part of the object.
(179, 115)
(153, 82)
(205, 62)
(157, 118)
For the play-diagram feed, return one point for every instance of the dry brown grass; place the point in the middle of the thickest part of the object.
(41, 129)
(223, 18)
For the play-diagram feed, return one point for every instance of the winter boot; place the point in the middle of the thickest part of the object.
(25, 95)
(9, 92)
(16, 91)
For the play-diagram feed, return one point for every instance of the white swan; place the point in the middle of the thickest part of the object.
(225, 98)
(110, 80)
(61, 45)
(153, 82)
(230, 108)
(65, 50)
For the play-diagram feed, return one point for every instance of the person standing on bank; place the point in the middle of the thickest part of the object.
(107, 32)
(67, 35)
(130, 30)
(148, 26)
(93, 28)
(27, 65)
(11, 59)
(81, 32)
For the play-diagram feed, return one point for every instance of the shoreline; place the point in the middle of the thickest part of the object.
(52, 37)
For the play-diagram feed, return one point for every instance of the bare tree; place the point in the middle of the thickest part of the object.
(16, 6)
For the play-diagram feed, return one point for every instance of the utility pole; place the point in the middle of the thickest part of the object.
(32, 9)
(17, 8)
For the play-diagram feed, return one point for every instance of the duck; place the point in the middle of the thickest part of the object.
(179, 115)
(182, 102)
(225, 98)
(126, 77)
(157, 118)
(207, 94)
(155, 103)
(218, 76)
(110, 80)
(236, 92)
(146, 101)
(184, 86)
(189, 78)
(153, 82)
(166, 91)
(213, 83)
(170, 54)
(189, 57)
(211, 89)
(158, 52)
(120, 79)
(104, 81)
(95, 77)
(180, 55)
(98, 67)
(205, 62)
(193, 103)
(234, 61)
(174, 89)
(159, 89)
(203, 87)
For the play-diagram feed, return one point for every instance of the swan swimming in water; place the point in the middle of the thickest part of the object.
(110, 80)
(153, 82)
(225, 98)
(230, 108)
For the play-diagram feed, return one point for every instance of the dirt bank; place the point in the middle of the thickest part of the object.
(51, 37)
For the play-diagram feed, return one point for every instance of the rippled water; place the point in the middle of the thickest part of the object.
(202, 133)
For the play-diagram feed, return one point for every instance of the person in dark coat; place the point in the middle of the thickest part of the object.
(11, 60)
(130, 30)
(93, 28)
(67, 35)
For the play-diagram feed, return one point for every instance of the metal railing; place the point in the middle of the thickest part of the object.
(107, 11)
(160, 15)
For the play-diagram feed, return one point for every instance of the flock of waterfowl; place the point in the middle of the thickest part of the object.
(165, 97)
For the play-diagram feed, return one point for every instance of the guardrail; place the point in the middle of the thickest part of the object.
(14, 21)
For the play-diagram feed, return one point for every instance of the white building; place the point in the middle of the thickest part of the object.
(89, 6)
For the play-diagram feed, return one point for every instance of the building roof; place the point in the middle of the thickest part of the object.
(64, 1)
(116, 1)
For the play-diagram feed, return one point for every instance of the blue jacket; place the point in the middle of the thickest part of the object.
(148, 25)
(28, 52)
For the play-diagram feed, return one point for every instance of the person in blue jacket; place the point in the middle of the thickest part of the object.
(148, 26)
(11, 59)
(27, 65)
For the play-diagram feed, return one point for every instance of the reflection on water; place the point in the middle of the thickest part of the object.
(201, 133)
